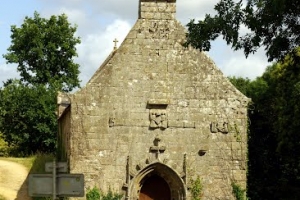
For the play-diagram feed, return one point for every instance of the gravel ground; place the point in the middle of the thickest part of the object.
(13, 184)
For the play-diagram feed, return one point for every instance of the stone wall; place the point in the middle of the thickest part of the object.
(64, 126)
(155, 103)
(165, 10)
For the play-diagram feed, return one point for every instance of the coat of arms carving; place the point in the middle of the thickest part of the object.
(158, 119)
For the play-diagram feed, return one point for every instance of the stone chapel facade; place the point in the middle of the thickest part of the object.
(155, 116)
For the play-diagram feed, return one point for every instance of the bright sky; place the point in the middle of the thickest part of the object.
(101, 21)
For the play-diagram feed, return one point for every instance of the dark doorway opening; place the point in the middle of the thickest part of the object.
(155, 188)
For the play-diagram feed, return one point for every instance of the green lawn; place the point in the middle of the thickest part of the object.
(34, 164)
(27, 162)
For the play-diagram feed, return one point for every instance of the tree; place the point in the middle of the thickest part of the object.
(27, 117)
(287, 125)
(273, 145)
(242, 84)
(273, 24)
(44, 49)
(262, 159)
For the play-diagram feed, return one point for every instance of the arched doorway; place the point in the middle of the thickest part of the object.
(155, 188)
(157, 181)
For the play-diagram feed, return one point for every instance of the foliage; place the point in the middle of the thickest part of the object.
(273, 144)
(111, 196)
(93, 194)
(27, 117)
(241, 83)
(39, 161)
(287, 125)
(196, 189)
(44, 49)
(96, 194)
(4, 149)
(273, 24)
(238, 192)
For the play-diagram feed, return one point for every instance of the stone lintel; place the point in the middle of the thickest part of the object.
(158, 102)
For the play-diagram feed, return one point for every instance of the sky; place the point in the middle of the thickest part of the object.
(99, 22)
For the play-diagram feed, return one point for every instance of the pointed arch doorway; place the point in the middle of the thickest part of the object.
(157, 181)
(155, 188)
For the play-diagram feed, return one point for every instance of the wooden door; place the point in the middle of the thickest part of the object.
(155, 188)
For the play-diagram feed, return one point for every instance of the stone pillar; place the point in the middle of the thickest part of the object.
(157, 9)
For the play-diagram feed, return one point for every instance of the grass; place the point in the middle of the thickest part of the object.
(38, 165)
(27, 162)
(2, 198)
(34, 164)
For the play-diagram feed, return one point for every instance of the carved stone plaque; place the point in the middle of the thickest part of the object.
(158, 113)
(158, 118)
(216, 127)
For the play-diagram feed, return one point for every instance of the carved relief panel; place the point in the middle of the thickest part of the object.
(158, 113)
(158, 118)
(219, 127)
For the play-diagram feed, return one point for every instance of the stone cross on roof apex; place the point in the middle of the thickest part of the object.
(157, 9)
(116, 42)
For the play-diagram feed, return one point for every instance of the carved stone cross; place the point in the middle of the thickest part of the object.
(156, 149)
(115, 41)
